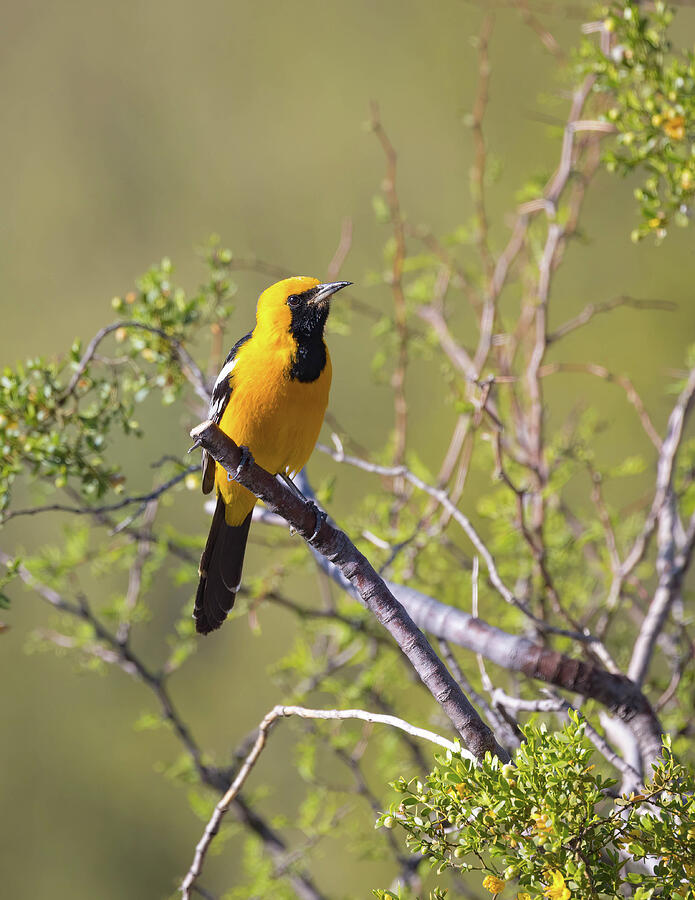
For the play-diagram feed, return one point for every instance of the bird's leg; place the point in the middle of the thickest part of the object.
(246, 458)
(320, 519)
(293, 487)
(318, 512)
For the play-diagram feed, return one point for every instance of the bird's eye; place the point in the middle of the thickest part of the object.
(293, 301)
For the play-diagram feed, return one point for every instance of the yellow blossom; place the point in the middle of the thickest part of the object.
(543, 823)
(523, 896)
(493, 884)
(558, 890)
(675, 128)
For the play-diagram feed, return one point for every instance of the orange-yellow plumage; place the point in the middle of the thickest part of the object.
(271, 397)
(277, 418)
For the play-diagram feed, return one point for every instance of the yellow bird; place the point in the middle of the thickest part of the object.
(270, 396)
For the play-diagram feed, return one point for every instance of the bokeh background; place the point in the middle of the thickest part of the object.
(132, 131)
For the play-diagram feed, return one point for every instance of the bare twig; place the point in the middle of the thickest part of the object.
(532, 21)
(622, 380)
(142, 499)
(279, 712)
(674, 554)
(664, 472)
(190, 367)
(595, 309)
(341, 251)
(144, 549)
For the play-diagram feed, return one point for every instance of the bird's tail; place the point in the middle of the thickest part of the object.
(220, 570)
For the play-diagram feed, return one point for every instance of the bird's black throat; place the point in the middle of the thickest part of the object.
(306, 327)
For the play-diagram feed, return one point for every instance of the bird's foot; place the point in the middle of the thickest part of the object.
(320, 519)
(246, 458)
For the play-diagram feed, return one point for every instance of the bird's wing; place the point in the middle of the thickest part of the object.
(219, 399)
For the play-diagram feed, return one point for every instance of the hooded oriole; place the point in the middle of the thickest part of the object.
(270, 396)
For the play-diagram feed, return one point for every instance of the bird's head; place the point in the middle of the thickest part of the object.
(299, 305)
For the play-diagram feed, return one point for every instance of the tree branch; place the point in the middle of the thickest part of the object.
(335, 546)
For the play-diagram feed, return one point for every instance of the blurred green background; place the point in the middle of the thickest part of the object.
(133, 131)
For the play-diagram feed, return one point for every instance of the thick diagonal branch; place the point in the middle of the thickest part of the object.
(516, 653)
(336, 547)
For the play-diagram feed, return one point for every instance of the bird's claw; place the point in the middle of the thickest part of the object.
(246, 458)
(320, 519)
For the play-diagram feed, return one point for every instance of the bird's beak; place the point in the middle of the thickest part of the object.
(324, 291)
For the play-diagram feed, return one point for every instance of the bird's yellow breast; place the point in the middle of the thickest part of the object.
(276, 417)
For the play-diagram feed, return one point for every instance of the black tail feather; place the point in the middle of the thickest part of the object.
(220, 570)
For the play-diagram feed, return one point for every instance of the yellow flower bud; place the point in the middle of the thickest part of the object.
(493, 884)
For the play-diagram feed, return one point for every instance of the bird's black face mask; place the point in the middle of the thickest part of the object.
(309, 313)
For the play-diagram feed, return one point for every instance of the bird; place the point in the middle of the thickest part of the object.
(269, 397)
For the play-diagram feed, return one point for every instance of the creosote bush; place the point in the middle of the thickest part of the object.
(549, 824)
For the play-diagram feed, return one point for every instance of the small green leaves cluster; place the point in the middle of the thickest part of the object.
(51, 434)
(162, 304)
(545, 824)
(651, 103)
(57, 417)
(405, 893)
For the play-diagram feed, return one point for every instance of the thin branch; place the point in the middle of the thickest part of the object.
(673, 559)
(341, 251)
(142, 499)
(595, 309)
(279, 712)
(194, 375)
(143, 552)
(545, 36)
(622, 380)
(664, 471)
